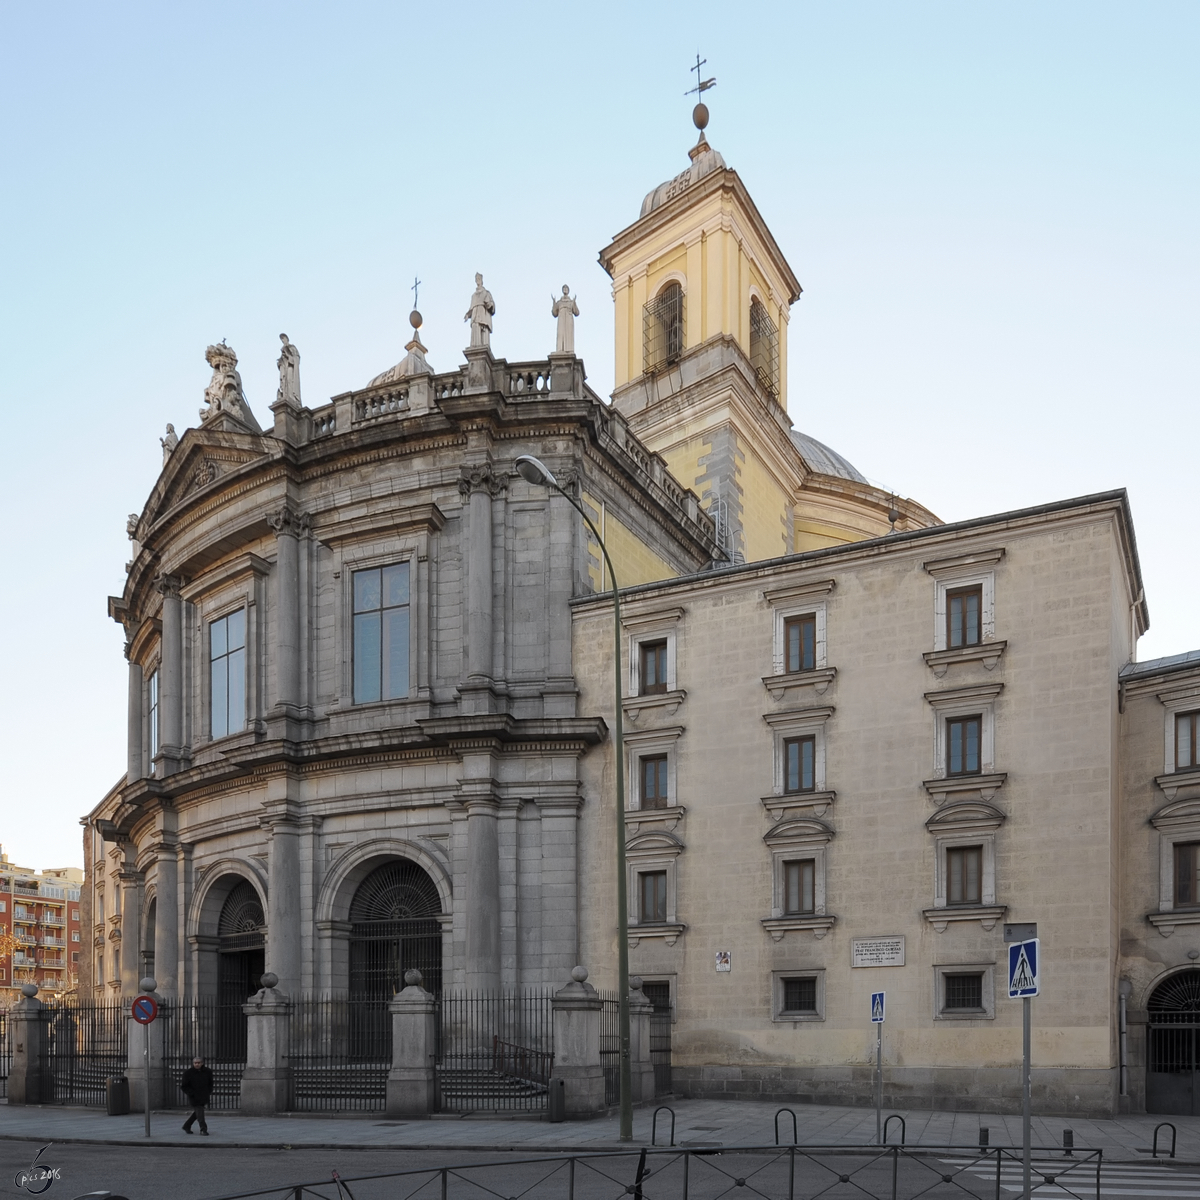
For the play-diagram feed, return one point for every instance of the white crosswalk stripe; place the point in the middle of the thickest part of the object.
(1080, 1180)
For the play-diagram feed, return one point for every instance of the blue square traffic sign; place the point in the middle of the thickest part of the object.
(878, 1007)
(1023, 969)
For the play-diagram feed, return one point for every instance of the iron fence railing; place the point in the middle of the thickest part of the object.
(340, 1050)
(713, 1172)
(660, 1052)
(5, 1053)
(85, 1045)
(208, 1028)
(495, 1050)
(610, 1046)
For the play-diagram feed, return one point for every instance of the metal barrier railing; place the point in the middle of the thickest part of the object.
(769, 1172)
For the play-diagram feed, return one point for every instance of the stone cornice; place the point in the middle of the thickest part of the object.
(965, 787)
(818, 679)
(986, 914)
(987, 653)
(818, 924)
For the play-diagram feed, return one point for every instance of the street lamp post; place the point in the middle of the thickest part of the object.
(536, 472)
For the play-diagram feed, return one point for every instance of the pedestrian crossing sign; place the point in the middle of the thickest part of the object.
(878, 1005)
(1023, 969)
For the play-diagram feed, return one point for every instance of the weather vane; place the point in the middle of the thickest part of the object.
(416, 284)
(702, 85)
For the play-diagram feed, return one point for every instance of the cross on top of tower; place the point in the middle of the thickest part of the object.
(700, 112)
(416, 284)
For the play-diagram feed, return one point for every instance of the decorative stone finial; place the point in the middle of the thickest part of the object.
(415, 319)
(635, 983)
(480, 314)
(413, 978)
(29, 990)
(269, 980)
(579, 974)
(700, 116)
(566, 310)
(168, 442)
(289, 374)
(148, 983)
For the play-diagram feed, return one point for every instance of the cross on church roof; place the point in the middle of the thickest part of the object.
(416, 284)
(702, 85)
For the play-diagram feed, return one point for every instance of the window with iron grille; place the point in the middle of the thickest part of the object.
(662, 328)
(963, 992)
(963, 735)
(652, 898)
(764, 348)
(964, 607)
(653, 678)
(653, 769)
(799, 764)
(800, 995)
(1187, 873)
(964, 875)
(1187, 754)
(798, 887)
(800, 643)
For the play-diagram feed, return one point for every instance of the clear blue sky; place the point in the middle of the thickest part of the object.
(993, 209)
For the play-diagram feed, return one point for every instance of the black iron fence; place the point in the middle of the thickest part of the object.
(206, 1028)
(340, 1052)
(495, 1050)
(660, 1051)
(770, 1173)
(610, 1046)
(85, 1044)
(5, 1053)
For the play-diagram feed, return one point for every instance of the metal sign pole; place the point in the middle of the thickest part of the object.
(146, 1068)
(1026, 1133)
(879, 1083)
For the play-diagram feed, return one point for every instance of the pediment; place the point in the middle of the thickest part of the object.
(653, 840)
(798, 829)
(201, 460)
(1177, 812)
(966, 816)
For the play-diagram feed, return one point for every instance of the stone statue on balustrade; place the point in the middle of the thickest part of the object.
(169, 442)
(480, 314)
(289, 374)
(566, 310)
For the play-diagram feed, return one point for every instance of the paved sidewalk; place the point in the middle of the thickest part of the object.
(698, 1123)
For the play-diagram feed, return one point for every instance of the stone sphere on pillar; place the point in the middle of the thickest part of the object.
(579, 974)
(148, 984)
(269, 980)
(413, 978)
(29, 990)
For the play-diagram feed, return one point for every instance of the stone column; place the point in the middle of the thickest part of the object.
(483, 893)
(559, 697)
(411, 1083)
(267, 1079)
(27, 1033)
(641, 1068)
(560, 876)
(166, 920)
(479, 574)
(285, 523)
(133, 768)
(577, 1045)
(131, 967)
(170, 676)
(283, 902)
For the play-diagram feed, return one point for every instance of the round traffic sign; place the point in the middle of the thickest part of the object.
(145, 1009)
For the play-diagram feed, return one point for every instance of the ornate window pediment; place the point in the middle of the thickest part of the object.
(799, 830)
(965, 816)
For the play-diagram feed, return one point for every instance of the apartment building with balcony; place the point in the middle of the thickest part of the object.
(40, 930)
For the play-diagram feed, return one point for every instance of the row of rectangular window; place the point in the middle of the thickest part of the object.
(962, 993)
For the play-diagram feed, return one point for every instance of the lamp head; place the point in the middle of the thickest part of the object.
(534, 471)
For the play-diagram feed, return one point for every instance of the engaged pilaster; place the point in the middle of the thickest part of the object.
(134, 768)
(283, 899)
(170, 751)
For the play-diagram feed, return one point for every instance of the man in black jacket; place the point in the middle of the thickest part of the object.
(197, 1086)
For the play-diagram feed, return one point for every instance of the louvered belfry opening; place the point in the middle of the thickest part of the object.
(764, 348)
(393, 929)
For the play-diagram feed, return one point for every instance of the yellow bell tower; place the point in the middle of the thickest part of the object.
(703, 295)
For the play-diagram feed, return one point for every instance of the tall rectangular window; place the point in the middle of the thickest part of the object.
(964, 608)
(799, 764)
(381, 631)
(1187, 755)
(152, 706)
(798, 887)
(963, 735)
(800, 643)
(653, 667)
(654, 781)
(652, 900)
(1187, 873)
(227, 670)
(964, 875)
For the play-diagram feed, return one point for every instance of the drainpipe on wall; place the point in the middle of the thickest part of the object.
(1124, 989)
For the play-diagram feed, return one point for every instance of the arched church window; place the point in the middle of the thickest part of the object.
(764, 347)
(393, 929)
(662, 328)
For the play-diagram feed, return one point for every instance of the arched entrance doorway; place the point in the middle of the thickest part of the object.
(393, 929)
(241, 945)
(1172, 1036)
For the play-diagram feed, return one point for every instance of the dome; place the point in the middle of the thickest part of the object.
(705, 160)
(823, 460)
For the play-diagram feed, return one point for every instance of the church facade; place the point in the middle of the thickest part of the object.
(370, 712)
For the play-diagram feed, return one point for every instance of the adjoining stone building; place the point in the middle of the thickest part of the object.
(370, 681)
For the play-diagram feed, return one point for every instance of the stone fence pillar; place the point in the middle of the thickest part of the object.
(412, 1083)
(267, 1079)
(27, 1033)
(640, 1067)
(577, 1045)
(141, 1038)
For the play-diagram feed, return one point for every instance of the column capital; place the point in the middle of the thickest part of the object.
(481, 477)
(168, 585)
(290, 521)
